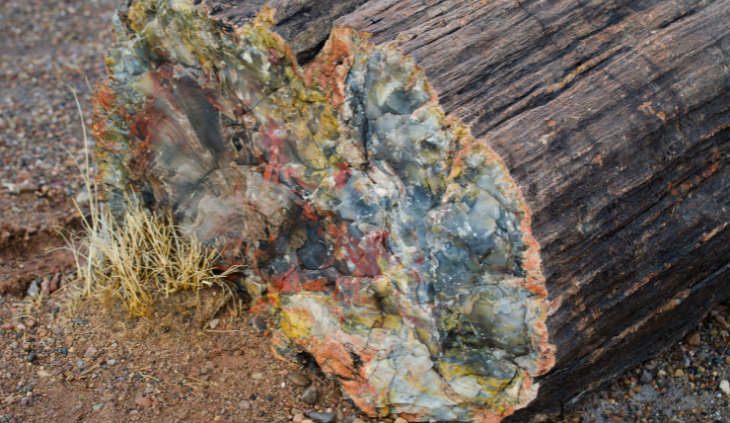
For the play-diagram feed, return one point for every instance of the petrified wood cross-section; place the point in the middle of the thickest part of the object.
(352, 197)
(392, 245)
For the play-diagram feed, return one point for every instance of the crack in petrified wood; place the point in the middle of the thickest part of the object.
(393, 246)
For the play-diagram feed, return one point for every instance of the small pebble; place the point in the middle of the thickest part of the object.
(310, 395)
(298, 379)
(321, 417)
(725, 387)
(259, 323)
(400, 420)
(646, 377)
(90, 352)
(244, 405)
(694, 339)
(34, 288)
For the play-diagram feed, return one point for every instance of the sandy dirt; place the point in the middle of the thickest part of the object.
(94, 365)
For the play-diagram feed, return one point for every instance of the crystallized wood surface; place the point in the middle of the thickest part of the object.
(614, 119)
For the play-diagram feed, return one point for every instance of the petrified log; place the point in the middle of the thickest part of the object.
(394, 246)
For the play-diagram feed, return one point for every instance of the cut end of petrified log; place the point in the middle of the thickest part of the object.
(392, 245)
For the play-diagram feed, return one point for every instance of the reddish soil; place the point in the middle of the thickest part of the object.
(97, 367)
(36, 250)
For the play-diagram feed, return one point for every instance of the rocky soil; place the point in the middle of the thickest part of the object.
(97, 366)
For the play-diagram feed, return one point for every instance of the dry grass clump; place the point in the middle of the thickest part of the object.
(139, 260)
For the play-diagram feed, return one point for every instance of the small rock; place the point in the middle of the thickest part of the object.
(12, 188)
(727, 360)
(298, 418)
(259, 322)
(298, 379)
(310, 395)
(257, 375)
(98, 406)
(213, 323)
(83, 197)
(34, 288)
(22, 176)
(357, 420)
(725, 387)
(244, 405)
(90, 352)
(144, 402)
(26, 402)
(721, 320)
(694, 339)
(400, 420)
(321, 417)
(43, 373)
(111, 362)
(679, 373)
(646, 377)
(32, 357)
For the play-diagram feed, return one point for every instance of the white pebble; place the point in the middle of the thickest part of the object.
(725, 387)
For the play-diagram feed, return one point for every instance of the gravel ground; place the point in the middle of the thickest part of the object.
(89, 367)
(48, 48)
(94, 367)
(684, 384)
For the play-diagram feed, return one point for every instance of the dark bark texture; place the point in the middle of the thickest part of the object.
(614, 119)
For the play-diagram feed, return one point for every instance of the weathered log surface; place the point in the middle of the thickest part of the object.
(613, 117)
